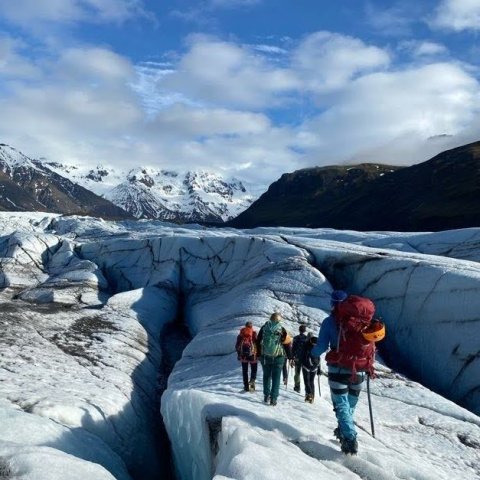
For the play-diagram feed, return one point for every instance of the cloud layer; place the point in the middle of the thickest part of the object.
(252, 110)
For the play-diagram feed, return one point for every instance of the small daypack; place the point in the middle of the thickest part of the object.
(246, 344)
(309, 363)
(272, 340)
(353, 351)
(298, 348)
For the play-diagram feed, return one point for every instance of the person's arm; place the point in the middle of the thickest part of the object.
(325, 336)
(288, 350)
(295, 347)
(284, 335)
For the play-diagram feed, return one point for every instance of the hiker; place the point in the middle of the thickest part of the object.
(298, 347)
(272, 356)
(350, 358)
(247, 354)
(310, 368)
(287, 346)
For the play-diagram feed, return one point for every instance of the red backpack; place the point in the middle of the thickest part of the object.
(353, 351)
(245, 345)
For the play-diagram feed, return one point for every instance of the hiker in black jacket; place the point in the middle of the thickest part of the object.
(310, 368)
(299, 342)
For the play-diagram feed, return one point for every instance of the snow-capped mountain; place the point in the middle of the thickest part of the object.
(29, 185)
(166, 194)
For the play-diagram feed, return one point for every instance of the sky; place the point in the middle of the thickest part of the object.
(244, 88)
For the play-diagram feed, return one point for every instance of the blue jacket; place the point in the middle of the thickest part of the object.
(327, 337)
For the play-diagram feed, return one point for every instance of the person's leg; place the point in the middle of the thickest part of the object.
(253, 372)
(245, 375)
(354, 389)
(276, 374)
(311, 378)
(338, 383)
(296, 376)
(306, 381)
(253, 376)
(285, 371)
(267, 377)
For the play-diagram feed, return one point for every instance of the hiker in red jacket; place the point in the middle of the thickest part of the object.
(247, 354)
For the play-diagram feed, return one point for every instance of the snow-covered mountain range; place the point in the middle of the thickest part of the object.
(92, 314)
(142, 192)
(181, 197)
(29, 185)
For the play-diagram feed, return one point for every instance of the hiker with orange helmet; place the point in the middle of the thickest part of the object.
(247, 354)
(349, 333)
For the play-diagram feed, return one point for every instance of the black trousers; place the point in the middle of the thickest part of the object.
(253, 373)
(309, 380)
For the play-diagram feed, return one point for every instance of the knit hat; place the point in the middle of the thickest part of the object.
(338, 296)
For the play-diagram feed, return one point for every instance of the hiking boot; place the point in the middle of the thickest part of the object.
(296, 388)
(309, 398)
(349, 446)
(273, 402)
(266, 399)
(251, 385)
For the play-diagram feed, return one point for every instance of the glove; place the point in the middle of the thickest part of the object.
(292, 363)
(319, 371)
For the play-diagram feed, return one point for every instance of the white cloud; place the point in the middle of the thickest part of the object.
(380, 108)
(91, 105)
(394, 20)
(423, 48)
(458, 15)
(222, 72)
(27, 12)
(184, 121)
(99, 64)
(246, 76)
(327, 61)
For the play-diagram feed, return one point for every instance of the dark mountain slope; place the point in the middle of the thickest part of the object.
(311, 197)
(27, 185)
(439, 194)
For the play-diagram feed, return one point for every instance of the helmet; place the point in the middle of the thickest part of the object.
(338, 296)
(375, 332)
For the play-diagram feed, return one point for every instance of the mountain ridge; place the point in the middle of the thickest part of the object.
(28, 185)
(438, 194)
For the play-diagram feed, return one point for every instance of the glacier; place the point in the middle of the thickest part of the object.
(84, 390)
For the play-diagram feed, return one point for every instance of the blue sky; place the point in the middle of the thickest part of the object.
(250, 88)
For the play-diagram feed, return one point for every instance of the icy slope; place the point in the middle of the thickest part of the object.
(83, 309)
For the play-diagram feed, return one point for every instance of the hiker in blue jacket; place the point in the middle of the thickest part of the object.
(344, 392)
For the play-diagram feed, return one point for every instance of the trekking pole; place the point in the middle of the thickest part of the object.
(318, 381)
(370, 406)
